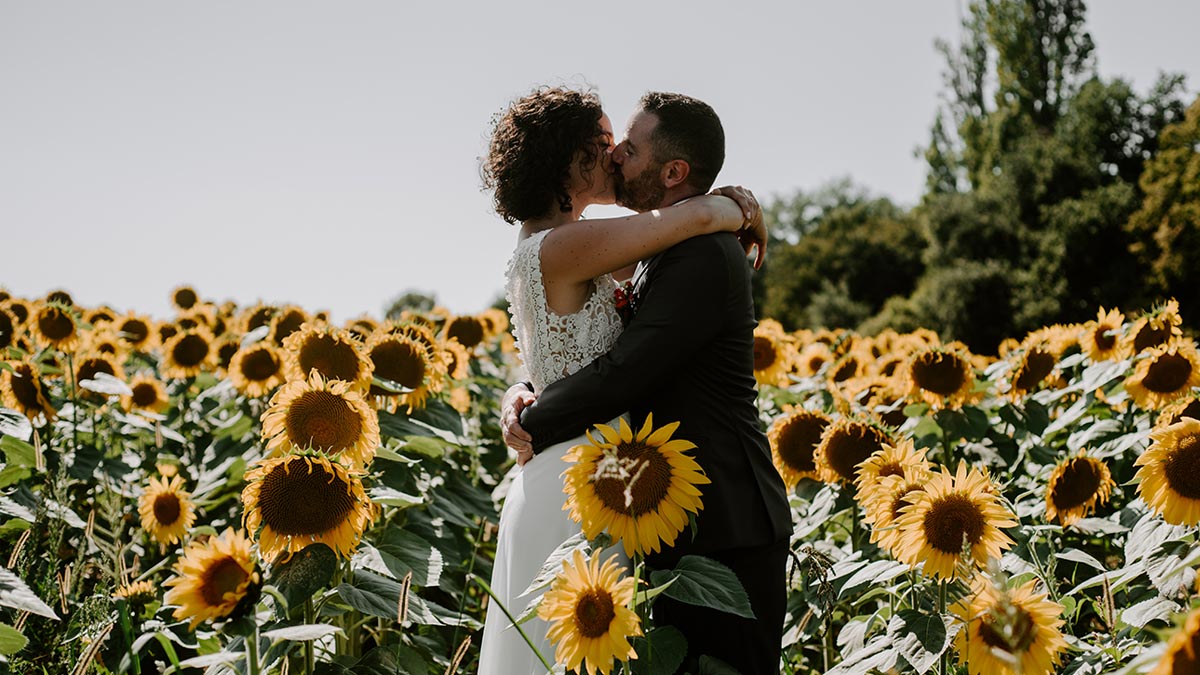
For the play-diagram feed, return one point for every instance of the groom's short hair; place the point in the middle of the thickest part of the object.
(688, 129)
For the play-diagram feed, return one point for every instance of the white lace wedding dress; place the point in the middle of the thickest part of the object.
(532, 522)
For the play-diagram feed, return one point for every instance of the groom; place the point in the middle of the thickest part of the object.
(687, 355)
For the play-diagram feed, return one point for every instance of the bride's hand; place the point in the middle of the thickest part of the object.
(753, 232)
(516, 399)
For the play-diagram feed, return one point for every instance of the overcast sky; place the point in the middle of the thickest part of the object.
(326, 153)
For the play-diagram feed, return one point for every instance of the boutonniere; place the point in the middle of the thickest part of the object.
(626, 300)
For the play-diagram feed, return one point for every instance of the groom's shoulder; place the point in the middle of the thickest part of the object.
(710, 249)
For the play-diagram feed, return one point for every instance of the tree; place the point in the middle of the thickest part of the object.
(1167, 226)
(413, 300)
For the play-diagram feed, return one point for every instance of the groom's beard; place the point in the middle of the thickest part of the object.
(643, 192)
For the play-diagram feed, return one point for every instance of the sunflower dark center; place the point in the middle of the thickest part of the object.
(1077, 485)
(19, 310)
(91, 367)
(798, 439)
(950, 519)
(188, 322)
(646, 486)
(901, 499)
(323, 421)
(816, 362)
(144, 394)
(1038, 364)
(55, 324)
(166, 331)
(135, 331)
(400, 362)
(1192, 410)
(1168, 373)
(1104, 337)
(26, 387)
(225, 353)
(260, 365)
(297, 502)
(845, 370)
(223, 576)
(594, 612)
(185, 298)
(850, 446)
(1152, 334)
(334, 359)
(940, 373)
(764, 352)
(467, 330)
(7, 329)
(61, 296)
(1182, 467)
(191, 350)
(1023, 632)
(167, 508)
(889, 368)
(260, 317)
(287, 324)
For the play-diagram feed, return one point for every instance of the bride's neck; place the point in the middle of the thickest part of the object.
(554, 219)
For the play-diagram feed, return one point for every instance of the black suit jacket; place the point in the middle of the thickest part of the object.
(687, 356)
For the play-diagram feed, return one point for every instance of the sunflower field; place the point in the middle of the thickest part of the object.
(258, 490)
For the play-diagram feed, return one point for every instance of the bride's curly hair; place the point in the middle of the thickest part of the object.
(534, 142)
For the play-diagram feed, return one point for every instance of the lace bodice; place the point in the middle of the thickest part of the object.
(552, 345)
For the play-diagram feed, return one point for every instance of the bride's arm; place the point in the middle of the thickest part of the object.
(583, 250)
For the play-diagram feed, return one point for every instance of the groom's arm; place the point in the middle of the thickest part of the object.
(680, 312)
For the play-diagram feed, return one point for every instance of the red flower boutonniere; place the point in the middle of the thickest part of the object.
(626, 301)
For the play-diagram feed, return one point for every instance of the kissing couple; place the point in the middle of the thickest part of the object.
(649, 313)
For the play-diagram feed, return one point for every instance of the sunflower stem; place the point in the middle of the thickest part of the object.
(252, 651)
(944, 660)
(308, 644)
(74, 404)
(488, 589)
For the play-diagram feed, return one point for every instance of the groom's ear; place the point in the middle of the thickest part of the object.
(675, 173)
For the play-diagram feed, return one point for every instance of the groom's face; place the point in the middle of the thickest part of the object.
(639, 182)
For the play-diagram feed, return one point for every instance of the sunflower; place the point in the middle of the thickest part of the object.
(1076, 485)
(406, 361)
(226, 348)
(460, 399)
(849, 366)
(1035, 363)
(139, 591)
(21, 309)
(297, 500)
(99, 316)
(105, 341)
(256, 369)
(1008, 631)
(772, 357)
(794, 437)
(331, 351)
(845, 444)
(1164, 375)
(212, 577)
(956, 512)
(188, 353)
(287, 321)
(60, 296)
(255, 317)
(424, 336)
(889, 365)
(940, 377)
(468, 330)
(891, 460)
(91, 365)
(9, 327)
(1101, 338)
(1183, 649)
(166, 509)
(887, 504)
(813, 358)
(640, 489)
(1007, 346)
(54, 325)
(362, 327)
(456, 359)
(587, 608)
(328, 416)
(23, 390)
(495, 321)
(136, 332)
(1185, 407)
(184, 297)
(1159, 327)
(1169, 477)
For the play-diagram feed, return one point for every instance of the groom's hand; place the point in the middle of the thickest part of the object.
(516, 399)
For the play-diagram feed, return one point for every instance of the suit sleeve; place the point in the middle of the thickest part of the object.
(681, 310)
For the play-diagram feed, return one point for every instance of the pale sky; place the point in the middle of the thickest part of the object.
(326, 153)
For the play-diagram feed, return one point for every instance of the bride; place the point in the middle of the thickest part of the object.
(548, 159)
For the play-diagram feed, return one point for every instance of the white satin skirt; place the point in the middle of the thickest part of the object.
(532, 525)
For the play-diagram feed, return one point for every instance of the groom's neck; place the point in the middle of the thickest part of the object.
(678, 194)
